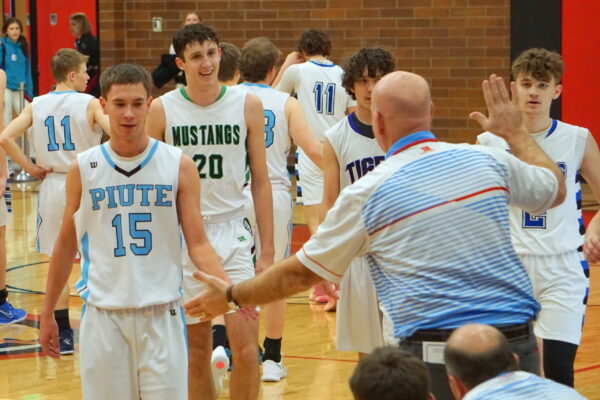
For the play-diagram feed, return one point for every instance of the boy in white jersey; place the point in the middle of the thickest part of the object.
(220, 127)
(64, 123)
(350, 151)
(127, 202)
(317, 83)
(550, 244)
(284, 121)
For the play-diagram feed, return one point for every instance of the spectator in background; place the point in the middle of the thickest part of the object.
(87, 44)
(14, 60)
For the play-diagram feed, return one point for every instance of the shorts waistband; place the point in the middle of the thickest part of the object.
(215, 219)
(175, 304)
(441, 335)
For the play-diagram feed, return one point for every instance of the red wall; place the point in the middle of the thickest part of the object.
(54, 37)
(581, 54)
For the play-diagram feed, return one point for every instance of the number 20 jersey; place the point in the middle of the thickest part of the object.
(128, 228)
(560, 229)
(215, 138)
(61, 129)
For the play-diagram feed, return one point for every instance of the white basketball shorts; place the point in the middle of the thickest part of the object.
(309, 180)
(51, 208)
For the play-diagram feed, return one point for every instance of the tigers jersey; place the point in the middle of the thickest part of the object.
(277, 138)
(320, 93)
(215, 138)
(559, 229)
(61, 129)
(355, 147)
(127, 227)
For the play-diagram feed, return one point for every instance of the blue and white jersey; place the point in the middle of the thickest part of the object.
(355, 148)
(521, 385)
(559, 229)
(318, 86)
(60, 129)
(277, 137)
(128, 228)
(432, 221)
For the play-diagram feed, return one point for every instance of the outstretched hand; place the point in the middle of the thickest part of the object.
(504, 117)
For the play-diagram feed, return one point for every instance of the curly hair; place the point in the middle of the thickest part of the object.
(376, 60)
(314, 42)
(541, 64)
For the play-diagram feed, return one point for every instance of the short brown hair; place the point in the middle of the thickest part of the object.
(65, 61)
(83, 21)
(314, 42)
(124, 74)
(541, 64)
(259, 56)
(230, 61)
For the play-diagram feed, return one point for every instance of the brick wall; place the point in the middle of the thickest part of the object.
(454, 44)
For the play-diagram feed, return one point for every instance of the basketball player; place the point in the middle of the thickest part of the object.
(350, 151)
(64, 123)
(318, 85)
(8, 313)
(126, 200)
(219, 127)
(549, 244)
(283, 122)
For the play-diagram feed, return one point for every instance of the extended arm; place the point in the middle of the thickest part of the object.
(301, 133)
(96, 116)
(260, 185)
(61, 264)
(590, 170)
(287, 84)
(156, 122)
(331, 175)
(505, 120)
(8, 140)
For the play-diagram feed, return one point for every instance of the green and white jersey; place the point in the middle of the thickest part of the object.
(215, 138)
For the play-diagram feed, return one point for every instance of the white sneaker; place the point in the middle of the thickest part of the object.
(219, 363)
(273, 371)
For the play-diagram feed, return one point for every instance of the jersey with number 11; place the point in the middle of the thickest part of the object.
(61, 129)
(215, 138)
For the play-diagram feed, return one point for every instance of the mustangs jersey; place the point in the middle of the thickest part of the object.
(128, 228)
(355, 147)
(559, 229)
(61, 129)
(277, 138)
(320, 93)
(215, 138)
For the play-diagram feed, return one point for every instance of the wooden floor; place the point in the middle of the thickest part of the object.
(315, 369)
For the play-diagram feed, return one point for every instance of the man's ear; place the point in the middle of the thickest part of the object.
(557, 92)
(458, 388)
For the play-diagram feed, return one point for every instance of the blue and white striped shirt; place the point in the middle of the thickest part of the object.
(521, 385)
(432, 221)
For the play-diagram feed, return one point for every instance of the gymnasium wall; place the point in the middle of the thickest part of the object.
(454, 44)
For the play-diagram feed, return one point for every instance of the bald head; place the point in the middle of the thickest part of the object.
(475, 353)
(401, 102)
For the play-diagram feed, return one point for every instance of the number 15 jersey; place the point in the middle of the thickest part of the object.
(215, 138)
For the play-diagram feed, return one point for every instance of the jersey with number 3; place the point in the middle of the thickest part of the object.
(559, 229)
(318, 86)
(215, 138)
(277, 138)
(128, 228)
(61, 129)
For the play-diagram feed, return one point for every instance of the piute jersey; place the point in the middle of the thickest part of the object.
(61, 129)
(355, 147)
(128, 228)
(215, 138)
(559, 229)
(277, 138)
(320, 93)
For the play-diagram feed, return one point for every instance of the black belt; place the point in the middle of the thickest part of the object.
(441, 335)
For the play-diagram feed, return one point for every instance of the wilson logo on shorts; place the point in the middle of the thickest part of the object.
(247, 226)
(94, 164)
(173, 312)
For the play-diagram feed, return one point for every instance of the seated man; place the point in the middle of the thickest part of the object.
(481, 365)
(390, 373)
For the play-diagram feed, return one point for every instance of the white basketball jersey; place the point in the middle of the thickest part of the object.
(356, 149)
(61, 129)
(277, 138)
(128, 228)
(559, 229)
(320, 93)
(215, 138)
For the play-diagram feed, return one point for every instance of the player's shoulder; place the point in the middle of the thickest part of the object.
(565, 128)
(338, 129)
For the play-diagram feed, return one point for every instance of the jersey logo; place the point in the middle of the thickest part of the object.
(425, 149)
(173, 312)
(241, 238)
(248, 228)
(94, 164)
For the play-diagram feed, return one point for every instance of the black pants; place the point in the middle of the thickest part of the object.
(524, 346)
(558, 361)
